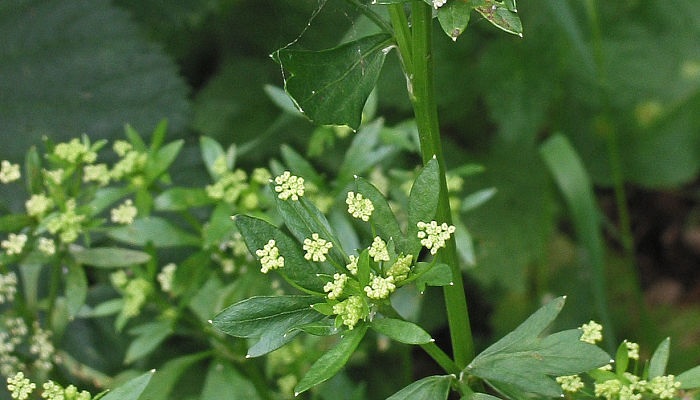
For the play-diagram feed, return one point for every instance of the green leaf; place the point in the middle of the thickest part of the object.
(269, 318)
(324, 327)
(257, 233)
(220, 227)
(76, 288)
(109, 257)
(149, 336)
(363, 268)
(14, 222)
(401, 331)
(382, 217)
(454, 17)
(690, 379)
(438, 275)
(131, 390)
(363, 153)
(430, 388)
(332, 360)
(476, 199)
(482, 396)
(159, 163)
(659, 360)
(525, 360)
(501, 17)
(224, 382)
(158, 135)
(281, 99)
(153, 230)
(32, 171)
(299, 166)
(167, 376)
(422, 203)
(103, 72)
(331, 86)
(107, 308)
(105, 197)
(180, 199)
(211, 151)
(621, 359)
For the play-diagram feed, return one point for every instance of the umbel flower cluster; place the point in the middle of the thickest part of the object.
(20, 388)
(363, 281)
(622, 385)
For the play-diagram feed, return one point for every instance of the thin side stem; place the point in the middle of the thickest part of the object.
(422, 93)
(372, 15)
(402, 34)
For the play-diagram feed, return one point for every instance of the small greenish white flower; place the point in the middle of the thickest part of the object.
(125, 213)
(219, 166)
(8, 287)
(20, 387)
(627, 393)
(608, 389)
(14, 243)
(9, 172)
(131, 162)
(359, 206)
(606, 367)
(401, 268)
(454, 183)
(229, 186)
(635, 382)
(52, 391)
(378, 250)
(260, 176)
(96, 173)
(335, 288)
(165, 277)
(74, 151)
(135, 294)
(288, 185)
(379, 287)
(664, 386)
(632, 350)
(439, 3)
(270, 257)
(351, 311)
(47, 246)
(352, 267)
(38, 204)
(55, 176)
(434, 236)
(570, 383)
(68, 223)
(592, 332)
(40, 345)
(316, 248)
(121, 147)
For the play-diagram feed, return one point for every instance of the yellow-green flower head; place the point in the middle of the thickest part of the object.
(260, 176)
(352, 267)
(288, 185)
(379, 288)
(439, 3)
(74, 151)
(133, 161)
(454, 183)
(316, 248)
(121, 147)
(635, 382)
(434, 236)
(38, 204)
(401, 268)
(359, 206)
(54, 176)
(570, 383)
(52, 391)
(68, 223)
(378, 250)
(627, 393)
(219, 166)
(592, 332)
(8, 287)
(664, 386)
(14, 243)
(135, 293)
(270, 257)
(608, 389)
(335, 288)
(632, 350)
(351, 311)
(40, 345)
(47, 246)
(9, 172)
(125, 213)
(166, 276)
(96, 173)
(20, 387)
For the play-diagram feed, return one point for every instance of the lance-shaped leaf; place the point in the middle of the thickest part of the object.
(525, 360)
(454, 17)
(269, 318)
(331, 86)
(658, 361)
(109, 257)
(257, 233)
(422, 203)
(153, 230)
(332, 360)
(401, 331)
(437, 275)
(501, 17)
(131, 390)
(430, 388)
(690, 379)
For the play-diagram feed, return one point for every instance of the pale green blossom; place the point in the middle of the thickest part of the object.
(260, 176)
(121, 147)
(359, 206)
(229, 186)
(288, 185)
(632, 350)
(378, 250)
(68, 223)
(55, 176)
(270, 257)
(401, 268)
(74, 151)
(664, 386)
(165, 277)
(592, 332)
(125, 213)
(8, 287)
(219, 166)
(96, 173)
(135, 293)
(316, 248)
(131, 162)
(439, 3)
(9, 172)
(627, 393)
(352, 267)
(47, 246)
(608, 389)
(20, 387)
(434, 236)
(570, 383)
(379, 287)
(38, 204)
(351, 311)
(40, 345)
(335, 288)
(14, 243)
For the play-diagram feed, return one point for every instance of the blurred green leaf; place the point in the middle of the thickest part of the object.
(168, 375)
(131, 390)
(401, 331)
(220, 226)
(14, 222)
(476, 199)
(332, 86)
(224, 382)
(363, 153)
(658, 361)
(211, 151)
(298, 165)
(621, 359)
(432, 387)
(153, 230)
(158, 164)
(689, 379)
(76, 288)
(148, 337)
(109, 257)
(180, 199)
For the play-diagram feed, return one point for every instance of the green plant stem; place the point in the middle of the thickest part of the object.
(402, 34)
(371, 14)
(422, 94)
